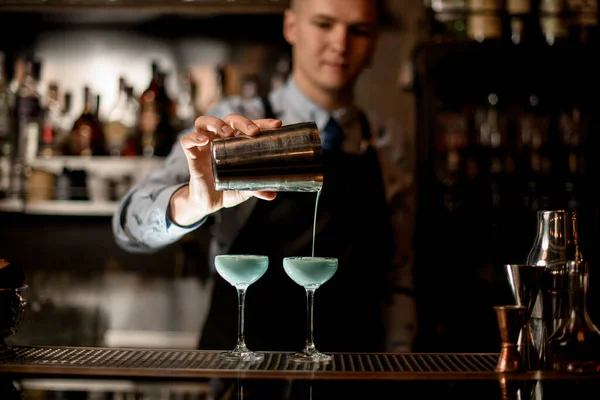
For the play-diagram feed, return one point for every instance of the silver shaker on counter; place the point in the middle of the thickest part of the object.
(556, 243)
(285, 159)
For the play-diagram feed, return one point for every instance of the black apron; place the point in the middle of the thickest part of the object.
(353, 224)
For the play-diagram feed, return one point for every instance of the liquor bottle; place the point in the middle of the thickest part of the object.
(553, 22)
(484, 22)
(18, 75)
(5, 173)
(187, 111)
(149, 113)
(51, 122)
(584, 28)
(115, 129)
(447, 20)
(533, 155)
(517, 11)
(575, 346)
(451, 132)
(451, 175)
(6, 126)
(86, 137)
(6, 131)
(157, 113)
(131, 119)
(571, 160)
(96, 113)
(522, 22)
(490, 130)
(65, 123)
(168, 124)
(133, 105)
(28, 113)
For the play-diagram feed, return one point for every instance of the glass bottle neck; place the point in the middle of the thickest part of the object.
(87, 105)
(557, 239)
(577, 284)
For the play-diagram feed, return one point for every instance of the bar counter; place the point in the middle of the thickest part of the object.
(58, 372)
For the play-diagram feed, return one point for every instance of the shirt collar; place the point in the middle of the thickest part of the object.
(310, 111)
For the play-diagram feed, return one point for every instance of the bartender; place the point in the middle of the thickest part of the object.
(332, 43)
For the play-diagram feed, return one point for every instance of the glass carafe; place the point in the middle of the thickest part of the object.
(556, 243)
(575, 346)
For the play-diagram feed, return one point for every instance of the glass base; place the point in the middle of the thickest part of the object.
(241, 356)
(314, 357)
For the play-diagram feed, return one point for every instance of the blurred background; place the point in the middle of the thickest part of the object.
(488, 109)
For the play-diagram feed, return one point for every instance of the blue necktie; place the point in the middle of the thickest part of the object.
(331, 136)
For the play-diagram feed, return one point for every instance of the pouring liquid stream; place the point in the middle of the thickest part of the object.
(315, 222)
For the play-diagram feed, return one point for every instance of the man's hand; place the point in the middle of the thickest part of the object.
(193, 202)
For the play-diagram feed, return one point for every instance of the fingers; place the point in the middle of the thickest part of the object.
(268, 123)
(232, 123)
(207, 127)
(192, 143)
(264, 195)
(248, 126)
(242, 124)
(234, 197)
(206, 124)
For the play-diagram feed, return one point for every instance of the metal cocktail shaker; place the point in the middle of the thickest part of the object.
(556, 243)
(286, 159)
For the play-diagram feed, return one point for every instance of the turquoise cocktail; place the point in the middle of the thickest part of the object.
(241, 270)
(310, 273)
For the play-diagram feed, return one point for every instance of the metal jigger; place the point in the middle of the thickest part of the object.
(511, 319)
(525, 282)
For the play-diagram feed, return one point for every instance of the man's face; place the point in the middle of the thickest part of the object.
(333, 40)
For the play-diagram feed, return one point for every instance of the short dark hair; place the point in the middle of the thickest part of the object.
(382, 14)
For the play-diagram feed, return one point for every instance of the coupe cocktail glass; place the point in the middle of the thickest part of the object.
(310, 273)
(241, 271)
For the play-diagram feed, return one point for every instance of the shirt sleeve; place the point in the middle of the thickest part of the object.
(141, 222)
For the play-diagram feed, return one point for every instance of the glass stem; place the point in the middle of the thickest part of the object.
(241, 341)
(310, 301)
